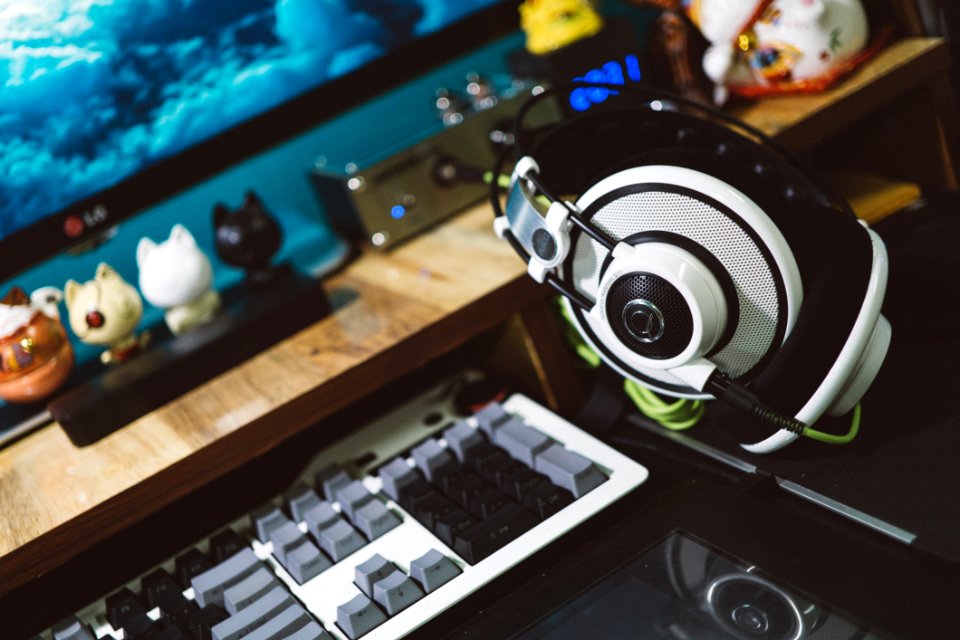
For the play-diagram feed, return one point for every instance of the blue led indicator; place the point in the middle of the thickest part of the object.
(633, 67)
(397, 212)
(611, 72)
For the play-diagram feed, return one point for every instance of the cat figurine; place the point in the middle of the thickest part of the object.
(105, 311)
(176, 275)
(35, 354)
(247, 237)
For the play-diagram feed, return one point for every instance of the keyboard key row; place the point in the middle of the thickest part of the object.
(386, 590)
(481, 488)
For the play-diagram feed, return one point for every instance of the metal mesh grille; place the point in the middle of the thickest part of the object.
(677, 324)
(702, 223)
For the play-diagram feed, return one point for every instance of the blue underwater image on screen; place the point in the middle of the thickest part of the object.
(94, 91)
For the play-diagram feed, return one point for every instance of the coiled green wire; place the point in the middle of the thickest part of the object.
(677, 415)
(682, 413)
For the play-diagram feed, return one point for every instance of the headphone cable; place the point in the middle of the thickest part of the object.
(721, 387)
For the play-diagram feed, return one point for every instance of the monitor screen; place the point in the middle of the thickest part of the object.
(108, 105)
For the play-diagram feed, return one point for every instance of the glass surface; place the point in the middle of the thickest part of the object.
(683, 590)
(94, 91)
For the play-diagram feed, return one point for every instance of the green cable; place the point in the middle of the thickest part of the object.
(830, 438)
(682, 413)
(573, 338)
(677, 415)
(503, 181)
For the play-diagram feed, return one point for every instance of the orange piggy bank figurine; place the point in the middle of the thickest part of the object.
(35, 354)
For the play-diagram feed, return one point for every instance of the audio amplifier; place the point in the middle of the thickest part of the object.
(387, 201)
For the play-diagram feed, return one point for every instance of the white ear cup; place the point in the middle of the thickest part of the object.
(858, 362)
(657, 247)
(710, 213)
(659, 306)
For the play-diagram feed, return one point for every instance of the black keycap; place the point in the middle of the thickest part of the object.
(160, 589)
(190, 564)
(498, 467)
(464, 488)
(484, 456)
(488, 502)
(500, 473)
(429, 511)
(546, 499)
(170, 633)
(225, 544)
(487, 536)
(452, 525)
(416, 492)
(205, 619)
(123, 607)
(179, 615)
(521, 482)
(140, 628)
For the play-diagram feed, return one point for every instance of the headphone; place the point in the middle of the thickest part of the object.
(700, 259)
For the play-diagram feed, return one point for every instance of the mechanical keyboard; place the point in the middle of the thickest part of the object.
(383, 531)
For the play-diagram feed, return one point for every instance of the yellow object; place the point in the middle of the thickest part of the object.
(873, 197)
(552, 24)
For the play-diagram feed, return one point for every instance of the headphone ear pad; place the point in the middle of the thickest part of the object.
(834, 255)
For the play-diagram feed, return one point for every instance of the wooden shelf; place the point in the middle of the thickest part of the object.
(392, 314)
(802, 121)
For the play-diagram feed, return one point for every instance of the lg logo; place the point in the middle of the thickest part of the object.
(613, 72)
(75, 225)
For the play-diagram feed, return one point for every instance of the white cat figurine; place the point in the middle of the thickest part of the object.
(176, 275)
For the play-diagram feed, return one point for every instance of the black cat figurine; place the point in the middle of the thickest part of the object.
(247, 237)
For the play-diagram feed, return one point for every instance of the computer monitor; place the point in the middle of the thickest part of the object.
(108, 107)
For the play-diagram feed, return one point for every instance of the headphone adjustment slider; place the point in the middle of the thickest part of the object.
(551, 243)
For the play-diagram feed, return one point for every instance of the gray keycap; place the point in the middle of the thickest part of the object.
(374, 569)
(396, 592)
(72, 629)
(208, 587)
(286, 538)
(253, 616)
(461, 437)
(255, 586)
(301, 499)
(569, 470)
(306, 562)
(331, 478)
(267, 518)
(396, 474)
(320, 517)
(312, 631)
(433, 570)
(430, 456)
(491, 417)
(282, 625)
(522, 442)
(340, 540)
(359, 616)
(374, 519)
(353, 496)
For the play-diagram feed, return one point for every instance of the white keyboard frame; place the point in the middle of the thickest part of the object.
(361, 453)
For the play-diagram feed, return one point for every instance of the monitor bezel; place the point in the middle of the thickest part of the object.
(88, 218)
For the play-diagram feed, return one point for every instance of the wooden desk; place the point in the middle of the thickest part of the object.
(392, 313)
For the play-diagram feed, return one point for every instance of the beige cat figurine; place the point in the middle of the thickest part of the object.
(105, 311)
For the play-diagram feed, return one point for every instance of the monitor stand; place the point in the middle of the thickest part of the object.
(254, 316)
